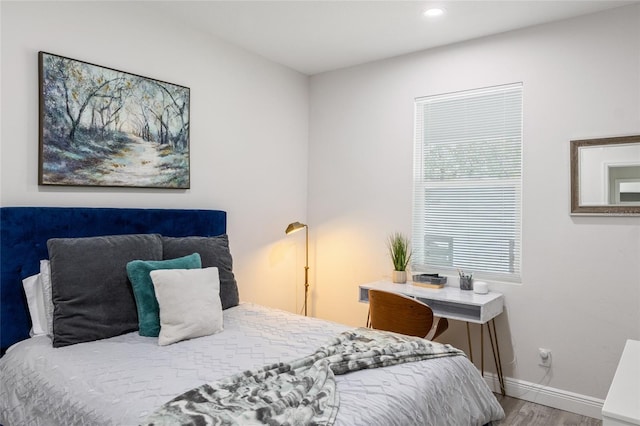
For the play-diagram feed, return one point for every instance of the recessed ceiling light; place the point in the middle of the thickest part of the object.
(433, 12)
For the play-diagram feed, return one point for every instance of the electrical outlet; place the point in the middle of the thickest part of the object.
(545, 357)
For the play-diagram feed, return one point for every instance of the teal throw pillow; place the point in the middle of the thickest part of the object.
(146, 302)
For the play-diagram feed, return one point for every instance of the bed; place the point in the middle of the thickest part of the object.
(128, 378)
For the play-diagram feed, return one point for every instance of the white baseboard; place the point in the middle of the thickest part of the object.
(545, 395)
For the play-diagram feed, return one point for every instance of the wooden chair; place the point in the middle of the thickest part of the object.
(404, 315)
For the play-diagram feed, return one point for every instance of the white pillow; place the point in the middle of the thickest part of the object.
(189, 301)
(33, 290)
(45, 277)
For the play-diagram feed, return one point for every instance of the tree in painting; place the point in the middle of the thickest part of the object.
(108, 128)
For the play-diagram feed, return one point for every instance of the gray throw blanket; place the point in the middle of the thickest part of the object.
(300, 392)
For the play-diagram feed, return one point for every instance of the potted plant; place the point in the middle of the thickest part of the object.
(398, 245)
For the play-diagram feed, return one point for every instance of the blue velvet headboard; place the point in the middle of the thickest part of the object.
(24, 232)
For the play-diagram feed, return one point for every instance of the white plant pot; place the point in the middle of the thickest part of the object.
(399, 277)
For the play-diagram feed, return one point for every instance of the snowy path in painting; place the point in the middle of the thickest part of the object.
(138, 164)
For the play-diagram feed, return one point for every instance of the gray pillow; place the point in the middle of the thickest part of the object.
(91, 293)
(214, 251)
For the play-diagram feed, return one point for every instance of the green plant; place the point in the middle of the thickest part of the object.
(398, 245)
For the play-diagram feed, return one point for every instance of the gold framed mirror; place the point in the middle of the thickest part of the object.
(605, 176)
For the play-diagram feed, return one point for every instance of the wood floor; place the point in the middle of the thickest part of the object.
(519, 412)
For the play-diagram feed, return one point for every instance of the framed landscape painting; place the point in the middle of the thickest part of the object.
(103, 127)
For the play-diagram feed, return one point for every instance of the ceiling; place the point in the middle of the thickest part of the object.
(316, 36)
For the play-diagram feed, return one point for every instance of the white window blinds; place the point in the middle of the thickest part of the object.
(467, 183)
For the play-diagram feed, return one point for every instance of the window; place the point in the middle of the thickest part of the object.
(467, 183)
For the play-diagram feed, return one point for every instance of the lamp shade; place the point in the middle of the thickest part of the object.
(293, 227)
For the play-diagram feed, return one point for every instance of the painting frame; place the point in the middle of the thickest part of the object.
(102, 127)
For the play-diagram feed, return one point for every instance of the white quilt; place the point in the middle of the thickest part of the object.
(120, 381)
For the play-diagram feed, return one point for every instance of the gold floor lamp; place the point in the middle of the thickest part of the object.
(293, 227)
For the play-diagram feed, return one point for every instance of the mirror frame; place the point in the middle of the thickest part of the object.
(608, 210)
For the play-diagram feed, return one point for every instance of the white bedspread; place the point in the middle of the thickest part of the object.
(119, 381)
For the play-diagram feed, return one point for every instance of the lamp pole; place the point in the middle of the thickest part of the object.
(293, 227)
(306, 269)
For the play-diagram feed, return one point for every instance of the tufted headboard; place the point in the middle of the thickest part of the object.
(24, 232)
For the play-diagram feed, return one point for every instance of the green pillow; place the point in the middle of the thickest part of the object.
(146, 302)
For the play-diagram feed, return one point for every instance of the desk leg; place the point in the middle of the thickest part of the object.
(469, 341)
(496, 354)
(482, 349)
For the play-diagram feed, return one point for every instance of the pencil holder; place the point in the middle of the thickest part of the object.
(466, 283)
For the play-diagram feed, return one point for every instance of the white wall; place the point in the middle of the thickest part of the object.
(249, 127)
(580, 295)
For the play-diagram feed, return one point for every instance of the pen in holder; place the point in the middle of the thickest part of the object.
(466, 280)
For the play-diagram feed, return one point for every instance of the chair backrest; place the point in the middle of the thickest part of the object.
(400, 314)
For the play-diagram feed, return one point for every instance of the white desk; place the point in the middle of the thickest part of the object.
(453, 303)
(446, 302)
(622, 406)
